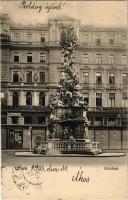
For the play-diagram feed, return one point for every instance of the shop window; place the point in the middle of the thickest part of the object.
(112, 99)
(85, 77)
(42, 37)
(105, 121)
(85, 58)
(98, 58)
(14, 120)
(98, 121)
(42, 58)
(3, 120)
(29, 77)
(15, 76)
(15, 98)
(28, 120)
(42, 99)
(29, 99)
(98, 99)
(98, 78)
(111, 119)
(29, 57)
(41, 120)
(16, 57)
(111, 78)
(42, 77)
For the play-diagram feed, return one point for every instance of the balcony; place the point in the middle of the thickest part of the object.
(23, 44)
(112, 87)
(107, 109)
(27, 84)
(103, 45)
(25, 109)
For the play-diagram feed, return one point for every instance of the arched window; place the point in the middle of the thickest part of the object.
(29, 99)
(42, 99)
(15, 98)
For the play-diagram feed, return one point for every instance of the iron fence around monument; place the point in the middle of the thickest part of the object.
(77, 146)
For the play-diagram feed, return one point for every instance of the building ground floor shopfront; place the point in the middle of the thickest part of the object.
(23, 137)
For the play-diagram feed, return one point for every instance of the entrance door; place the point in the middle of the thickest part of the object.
(15, 139)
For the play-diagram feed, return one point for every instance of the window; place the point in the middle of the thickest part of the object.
(111, 78)
(124, 78)
(112, 99)
(29, 37)
(98, 59)
(125, 99)
(41, 120)
(98, 78)
(16, 37)
(123, 40)
(124, 59)
(111, 39)
(15, 76)
(86, 98)
(98, 99)
(29, 57)
(111, 119)
(16, 57)
(42, 57)
(3, 119)
(14, 120)
(42, 77)
(98, 121)
(85, 58)
(98, 39)
(85, 77)
(125, 95)
(28, 120)
(42, 37)
(85, 39)
(42, 99)
(15, 98)
(29, 99)
(111, 58)
(29, 77)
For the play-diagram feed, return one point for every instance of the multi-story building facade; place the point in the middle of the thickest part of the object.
(31, 64)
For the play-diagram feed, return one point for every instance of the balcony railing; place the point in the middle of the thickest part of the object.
(99, 45)
(43, 108)
(25, 108)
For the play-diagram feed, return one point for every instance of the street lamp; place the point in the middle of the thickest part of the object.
(30, 133)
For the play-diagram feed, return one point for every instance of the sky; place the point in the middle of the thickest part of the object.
(98, 13)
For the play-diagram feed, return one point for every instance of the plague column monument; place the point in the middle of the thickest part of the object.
(68, 127)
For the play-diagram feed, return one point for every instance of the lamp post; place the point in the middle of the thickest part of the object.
(30, 133)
